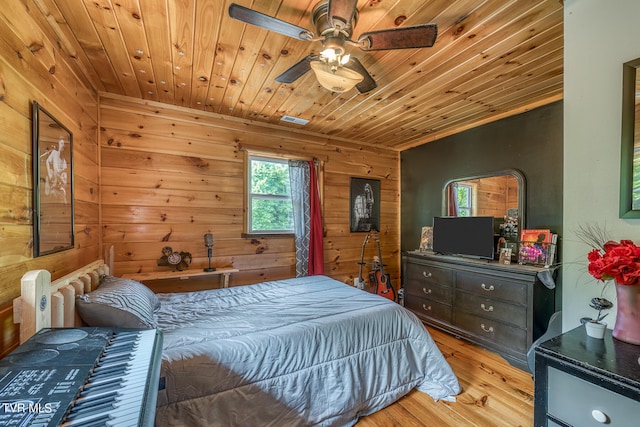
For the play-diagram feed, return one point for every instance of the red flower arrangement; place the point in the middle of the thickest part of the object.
(617, 261)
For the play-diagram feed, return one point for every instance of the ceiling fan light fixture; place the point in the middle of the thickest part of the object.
(329, 54)
(334, 22)
(338, 79)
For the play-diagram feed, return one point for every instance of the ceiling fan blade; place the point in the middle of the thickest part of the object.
(267, 22)
(297, 70)
(341, 12)
(367, 83)
(399, 38)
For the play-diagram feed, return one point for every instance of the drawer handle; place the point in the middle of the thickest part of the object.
(427, 275)
(599, 416)
(488, 289)
(484, 328)
(426, 308)
(484, 307)
(426, 291)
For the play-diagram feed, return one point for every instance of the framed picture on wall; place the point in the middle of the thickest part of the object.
(52, 184)
(364, 196)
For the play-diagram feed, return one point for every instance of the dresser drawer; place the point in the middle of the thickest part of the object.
(573, 400)
(494, 309)
(420, 272)
(432, 291)
(493, 287)
(430, 282)
(505, 335)
(425, 307)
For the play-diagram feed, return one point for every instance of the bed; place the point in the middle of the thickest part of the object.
(303, 351)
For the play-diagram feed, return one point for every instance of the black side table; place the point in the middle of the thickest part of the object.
(582, 381)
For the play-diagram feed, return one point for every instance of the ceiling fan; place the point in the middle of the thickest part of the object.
(334, 21)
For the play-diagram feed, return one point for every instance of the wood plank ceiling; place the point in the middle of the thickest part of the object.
(492, 59)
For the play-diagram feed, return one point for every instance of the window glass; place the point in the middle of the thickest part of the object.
(269, 208)
(464, 203)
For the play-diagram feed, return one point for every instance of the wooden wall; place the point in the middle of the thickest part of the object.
(170, 175)
(33, 67)
(494, 195)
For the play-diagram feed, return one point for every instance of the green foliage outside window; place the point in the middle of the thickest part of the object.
(463, 193)
(635, 203)
(270, 196)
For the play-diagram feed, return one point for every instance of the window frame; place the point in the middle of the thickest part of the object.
(470, 190)
(249, 196)
(255, 151)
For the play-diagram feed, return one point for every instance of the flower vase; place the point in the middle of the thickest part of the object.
(627, 326)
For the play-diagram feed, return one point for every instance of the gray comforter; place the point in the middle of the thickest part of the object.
(296, 352)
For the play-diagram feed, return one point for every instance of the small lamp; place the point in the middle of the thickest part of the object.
(208, 242)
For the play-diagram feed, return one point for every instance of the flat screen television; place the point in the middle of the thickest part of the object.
(470, 236)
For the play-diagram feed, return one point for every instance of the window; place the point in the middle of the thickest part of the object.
(269, 207)
(464, 199)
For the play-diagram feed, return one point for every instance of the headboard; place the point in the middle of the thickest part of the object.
(46, 304)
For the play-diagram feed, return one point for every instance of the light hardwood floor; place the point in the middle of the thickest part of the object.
(494, 393)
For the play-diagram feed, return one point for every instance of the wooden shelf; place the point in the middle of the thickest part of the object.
(222, 272)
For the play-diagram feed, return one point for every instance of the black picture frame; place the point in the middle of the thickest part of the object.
(53, 200)
(364, 204)
(629, 170)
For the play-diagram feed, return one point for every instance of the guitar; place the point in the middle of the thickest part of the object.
(377, 275)
(361, 281)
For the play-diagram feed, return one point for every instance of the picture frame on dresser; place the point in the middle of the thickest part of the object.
(426, 239)
(505, 256)
(53, 198)
(364, 204)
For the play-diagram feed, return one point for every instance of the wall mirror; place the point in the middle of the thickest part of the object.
(500, 195)
(52, 184)
(630, 147)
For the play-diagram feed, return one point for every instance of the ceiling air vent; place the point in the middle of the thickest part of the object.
(296, 120)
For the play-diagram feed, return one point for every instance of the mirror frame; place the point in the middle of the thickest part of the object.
(42, 190)
(629, 71)
(522, 191)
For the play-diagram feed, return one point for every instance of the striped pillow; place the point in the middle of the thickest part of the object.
(119, 303)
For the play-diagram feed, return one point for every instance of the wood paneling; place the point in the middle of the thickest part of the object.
(494, 195)
(35, 66)
(491, 59)
(170, 175)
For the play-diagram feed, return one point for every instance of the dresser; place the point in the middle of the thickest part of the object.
(586, 382)
(502, 307)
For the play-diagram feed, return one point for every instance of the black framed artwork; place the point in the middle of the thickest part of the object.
(52, 184)
(364, 196)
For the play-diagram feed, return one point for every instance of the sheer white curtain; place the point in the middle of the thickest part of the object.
(307, 218)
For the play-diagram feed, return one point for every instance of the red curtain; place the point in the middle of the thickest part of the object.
(452, 209)
(316, 246)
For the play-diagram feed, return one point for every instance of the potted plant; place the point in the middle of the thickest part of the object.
(596, 327)
(618, 262)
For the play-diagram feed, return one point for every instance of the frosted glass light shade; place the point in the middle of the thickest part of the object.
(340, 80)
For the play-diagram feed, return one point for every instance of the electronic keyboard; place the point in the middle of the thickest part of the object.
(82, 377)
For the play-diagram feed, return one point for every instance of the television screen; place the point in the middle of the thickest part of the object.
(470, 236)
